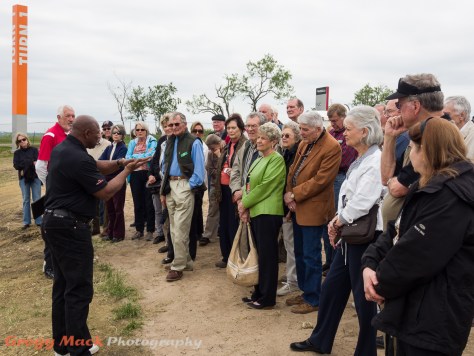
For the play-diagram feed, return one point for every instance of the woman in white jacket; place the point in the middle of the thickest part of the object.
(359, 193)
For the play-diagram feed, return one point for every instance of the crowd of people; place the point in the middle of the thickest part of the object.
(407, 164)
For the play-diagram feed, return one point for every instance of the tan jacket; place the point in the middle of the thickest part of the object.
(314, 190)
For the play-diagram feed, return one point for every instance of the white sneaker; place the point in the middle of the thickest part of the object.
(93, 350)
(286, 289)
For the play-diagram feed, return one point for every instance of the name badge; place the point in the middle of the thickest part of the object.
(184, 154)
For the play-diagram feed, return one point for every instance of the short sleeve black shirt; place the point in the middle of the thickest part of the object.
(72, 179)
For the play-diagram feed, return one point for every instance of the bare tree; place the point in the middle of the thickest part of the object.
(120, 93)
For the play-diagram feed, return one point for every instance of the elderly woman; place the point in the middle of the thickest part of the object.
(290, 140)
(143, 146)
(228, 220)
(262, 205)
(115, 205)
(422, 267)
(24, 160)
(310, 197)
(360, 191)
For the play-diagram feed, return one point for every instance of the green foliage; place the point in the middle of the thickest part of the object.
(262, 78)
(137, 103)
(127, 311)
(265, 77)
(114, 284)
(371, 95)
(160, 100)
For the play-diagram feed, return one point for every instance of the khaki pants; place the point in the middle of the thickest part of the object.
(287, 229)
(212, 221)
(180, 203)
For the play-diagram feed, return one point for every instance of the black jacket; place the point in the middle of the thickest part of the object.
(23, 161)
(427, 277)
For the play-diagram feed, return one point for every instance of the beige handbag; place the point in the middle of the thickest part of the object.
(242, 265)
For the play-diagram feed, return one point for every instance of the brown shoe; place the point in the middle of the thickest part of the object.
(221, 264)
(174, 276)
(295, 300)
(304, 308)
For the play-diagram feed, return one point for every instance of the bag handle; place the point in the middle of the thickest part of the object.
(250, 237)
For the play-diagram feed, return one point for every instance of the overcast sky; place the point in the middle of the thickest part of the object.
(77, 47)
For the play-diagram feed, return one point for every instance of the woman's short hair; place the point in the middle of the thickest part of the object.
(213, 139)
(310, 118)
(366, 117)
(120, 129)
(293, 126)
(18, 134)
(164, 119)
(144, 125)
(441, 144)
(271, 130)
(196, 123)
(238, 121)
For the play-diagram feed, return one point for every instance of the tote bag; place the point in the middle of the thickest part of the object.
(242, 265)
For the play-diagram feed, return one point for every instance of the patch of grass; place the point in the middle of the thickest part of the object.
(132, 326)
(114, 284)
(127, 311)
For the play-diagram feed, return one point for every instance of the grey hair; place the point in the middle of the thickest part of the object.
(295, 128)
(213, 139)
(181, 116)
(366, 117)
(62, 108)
(310, 118)
(260, 116)
(144, 125)
(271, 130)
(430, 101)
(461, 105)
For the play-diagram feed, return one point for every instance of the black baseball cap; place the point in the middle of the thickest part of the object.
(404, 89)
(107, 123)
(218, 117)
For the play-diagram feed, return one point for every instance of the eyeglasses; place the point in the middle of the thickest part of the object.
(22, 140)
(285, 136)
(138, 130)
(399, 105)
(389, 112)
(176, 124)
(106, 128)
(116, 133)
(251, 126)
(198, 131)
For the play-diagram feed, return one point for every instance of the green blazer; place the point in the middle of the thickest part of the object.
(267, 181)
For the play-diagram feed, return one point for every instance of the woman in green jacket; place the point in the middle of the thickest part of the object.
(262, 206)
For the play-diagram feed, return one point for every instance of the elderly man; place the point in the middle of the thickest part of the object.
(183, 175)
(459, 110)
(267, 111)
(75, 181)
(52, 137)
(310, 197)
(419, 98)
(218, 124)
(294, 108)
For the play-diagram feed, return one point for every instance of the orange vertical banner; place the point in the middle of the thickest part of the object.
(20, 60)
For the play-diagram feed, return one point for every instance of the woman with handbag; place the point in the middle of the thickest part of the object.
(262, 205)
(422, 267)
(24, 159)
(360, 191)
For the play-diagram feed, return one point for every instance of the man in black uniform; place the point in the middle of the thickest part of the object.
(74, 182)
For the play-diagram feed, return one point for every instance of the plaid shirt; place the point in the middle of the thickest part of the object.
(349, 154)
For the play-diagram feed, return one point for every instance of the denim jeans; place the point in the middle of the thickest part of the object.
(307, 240)
(35, 188)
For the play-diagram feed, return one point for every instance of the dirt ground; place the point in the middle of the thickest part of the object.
(202, 314)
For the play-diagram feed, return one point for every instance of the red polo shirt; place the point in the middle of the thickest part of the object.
(53, 137)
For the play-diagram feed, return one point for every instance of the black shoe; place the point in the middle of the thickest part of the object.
(304, 346)
(158, 239)
(380, 342)
(163, 249)
(48, 273)
(257, 305)
(203, 241)
(166, 260)
(221, 264)
(24, 227)
(115, 239)
(247, 300)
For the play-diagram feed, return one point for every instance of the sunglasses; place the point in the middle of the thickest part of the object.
(286, 136)
(176, 124)
(198, 131)
(106, 128)
(116, 133)
(139, 130)
(22, 140)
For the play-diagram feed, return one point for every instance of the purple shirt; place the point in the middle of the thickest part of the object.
(349, 154)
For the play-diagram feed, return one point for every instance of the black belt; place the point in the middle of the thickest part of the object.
(62, 213)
